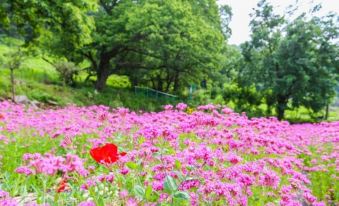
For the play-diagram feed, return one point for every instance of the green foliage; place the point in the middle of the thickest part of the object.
(287, 66)
(119, 81)
(32, 19)
(139, 192)
(164, 45)
(170, 186)
(67, 72)
(13, 59)
(293, 64)
(181, 47)
(45, 86)
(309, 68)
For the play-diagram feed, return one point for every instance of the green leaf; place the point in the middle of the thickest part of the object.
(148, 193)
(131, 165)
(182, 195)
(139, 192)
(169, 185)
(141, 140)
(177, 164)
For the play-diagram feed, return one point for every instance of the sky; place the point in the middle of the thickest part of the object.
(242, 8)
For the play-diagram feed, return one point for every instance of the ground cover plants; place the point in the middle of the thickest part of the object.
(180, 156)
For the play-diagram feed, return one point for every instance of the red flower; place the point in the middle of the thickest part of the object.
(106, 154)
(2, 116)
(62, 186)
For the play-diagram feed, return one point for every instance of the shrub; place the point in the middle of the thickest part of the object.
(67, 72)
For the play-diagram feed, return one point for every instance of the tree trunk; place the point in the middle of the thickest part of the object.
(160, 84)
(176, 82)
(168, 84)
(134, 81)
(103, 72)
(281, 112)
(326, 112)
(12, 85)
(102, 77)
(269, 110)
(281, 106)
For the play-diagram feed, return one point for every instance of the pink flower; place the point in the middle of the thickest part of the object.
(188, 184)
(309, 197)
(181, 106)
(132, 202)
(49, 164)
(269, 178)
(234, 159)
(168, 107)
(6, 200)
(157, 185)
(222, 155)
(124, 171)
(24, 170)
(86, 203)
(123, 194)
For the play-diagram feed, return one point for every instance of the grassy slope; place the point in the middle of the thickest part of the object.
(39, 81)
(44, 87)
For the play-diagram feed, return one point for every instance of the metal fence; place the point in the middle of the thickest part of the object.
(154, 93)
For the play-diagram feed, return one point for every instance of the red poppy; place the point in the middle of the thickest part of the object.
(106, 154)
(62, 186)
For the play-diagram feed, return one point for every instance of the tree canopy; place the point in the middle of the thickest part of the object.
(31, 19)
(294, 62)
(170, 45)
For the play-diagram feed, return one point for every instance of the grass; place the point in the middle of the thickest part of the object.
(45, 87)
(39, 80)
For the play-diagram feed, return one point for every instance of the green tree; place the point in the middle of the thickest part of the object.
(308, 65)
(163, 44)
(30, 19)
(59, 27)
(291, 64)
(265, 39)
(182, 47)
(160, 44)
(12, 61)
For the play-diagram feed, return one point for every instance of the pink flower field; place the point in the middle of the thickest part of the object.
(207, 156)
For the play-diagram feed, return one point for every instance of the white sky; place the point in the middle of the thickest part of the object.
(242, 8)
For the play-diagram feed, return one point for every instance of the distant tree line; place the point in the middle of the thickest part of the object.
(169, 45)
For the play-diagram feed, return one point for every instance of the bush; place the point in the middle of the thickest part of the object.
(67, 72)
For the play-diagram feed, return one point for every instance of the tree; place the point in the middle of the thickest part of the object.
(31, 19)
(164, 44)
(181, 47)
(292, 63)
(13, 61)
(64, 26)
(309, 65)
(161, 44)
(265, 39)
(226, 17)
